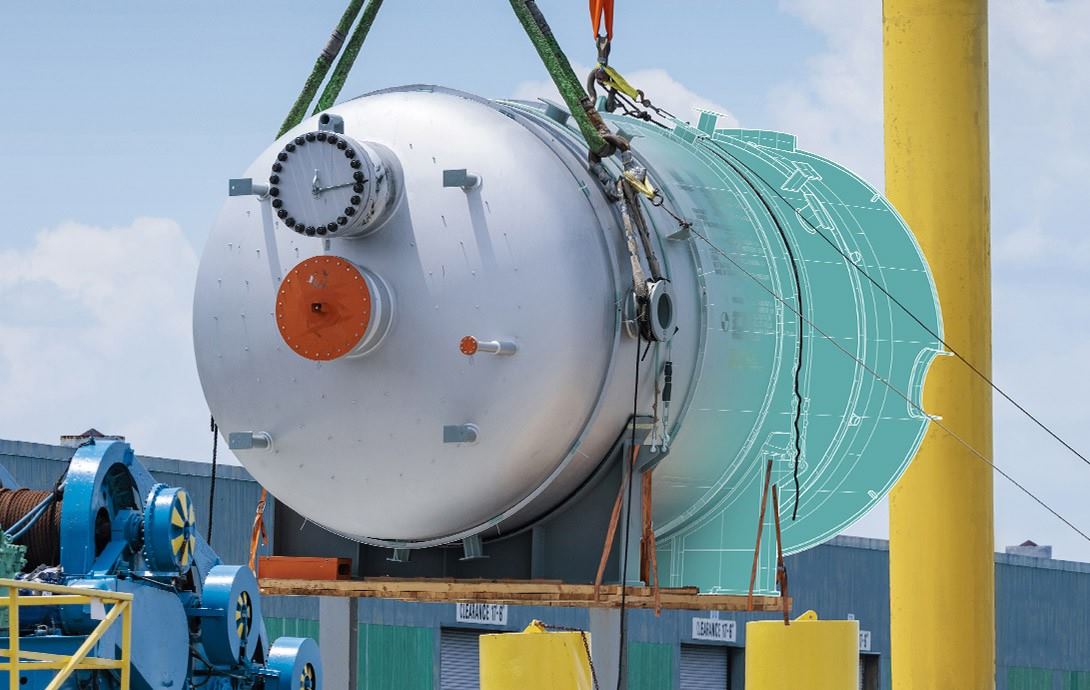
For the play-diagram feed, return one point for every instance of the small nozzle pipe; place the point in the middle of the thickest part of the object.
(461, 433)
(245, 186)
(249, 440)
(470, 346)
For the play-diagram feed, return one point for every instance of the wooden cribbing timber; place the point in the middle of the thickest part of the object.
(518, 593)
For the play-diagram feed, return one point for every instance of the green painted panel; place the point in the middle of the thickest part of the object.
(1076, 680)
(392, 656)
(651, 666)
(1025, 678)
(291, 627)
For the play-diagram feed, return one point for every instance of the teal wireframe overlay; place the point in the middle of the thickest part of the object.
(857, 435)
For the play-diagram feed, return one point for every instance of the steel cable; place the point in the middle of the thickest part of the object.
(721, 154)
(957, 437)
(212, 485)
(626, 480)
(42, 534)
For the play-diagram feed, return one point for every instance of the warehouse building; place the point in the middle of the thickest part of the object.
(1042, 606)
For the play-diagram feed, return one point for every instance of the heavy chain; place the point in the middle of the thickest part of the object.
(586, 647)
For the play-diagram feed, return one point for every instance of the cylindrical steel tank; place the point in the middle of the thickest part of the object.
(423, 313)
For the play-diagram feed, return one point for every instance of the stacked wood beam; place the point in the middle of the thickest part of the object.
(517, 593)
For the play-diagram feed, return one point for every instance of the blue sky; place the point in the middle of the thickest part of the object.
(125, 120)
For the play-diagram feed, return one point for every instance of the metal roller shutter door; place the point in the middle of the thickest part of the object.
(459, 660)
(704, 667)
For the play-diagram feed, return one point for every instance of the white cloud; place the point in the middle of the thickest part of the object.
(1040, 100)
(1033, 246)
(657, 84)
(95, 331)
(834, 106)
(1039, 143)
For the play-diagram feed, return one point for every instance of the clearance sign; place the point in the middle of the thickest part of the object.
(482, 614)
(715, 630)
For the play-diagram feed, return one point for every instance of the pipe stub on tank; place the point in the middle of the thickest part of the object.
(328, 308)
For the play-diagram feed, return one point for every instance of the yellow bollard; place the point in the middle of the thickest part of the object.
(809, 654)
(536, 659)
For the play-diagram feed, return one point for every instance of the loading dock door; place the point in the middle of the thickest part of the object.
(459, 659)
(869, 673)
(704, 667)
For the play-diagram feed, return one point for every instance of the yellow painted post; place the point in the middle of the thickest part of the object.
(942, 588)
(810, 653)
(126, 643)
(13, 638)
(536, 659)
(85, 648)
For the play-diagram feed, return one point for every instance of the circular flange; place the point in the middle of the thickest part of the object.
(323, 308)
(661, 313)
(170, 529)
(322, 183)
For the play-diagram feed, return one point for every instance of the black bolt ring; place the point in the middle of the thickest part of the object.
(274, 179)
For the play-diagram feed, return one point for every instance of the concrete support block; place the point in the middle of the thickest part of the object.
(337, 639)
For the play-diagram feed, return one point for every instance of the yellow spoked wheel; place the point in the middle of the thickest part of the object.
(294, 664)
(170, 529)
(183, 519)
(244, 615)
(308, 678)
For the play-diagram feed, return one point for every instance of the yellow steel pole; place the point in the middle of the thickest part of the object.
(942, 587)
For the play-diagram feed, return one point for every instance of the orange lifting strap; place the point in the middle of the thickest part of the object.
(257, 535)
(598, 10)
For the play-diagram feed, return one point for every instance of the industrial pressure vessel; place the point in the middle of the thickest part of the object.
(418, 317)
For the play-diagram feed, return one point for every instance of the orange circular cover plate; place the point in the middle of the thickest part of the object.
(323, 308)
(468, 345)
